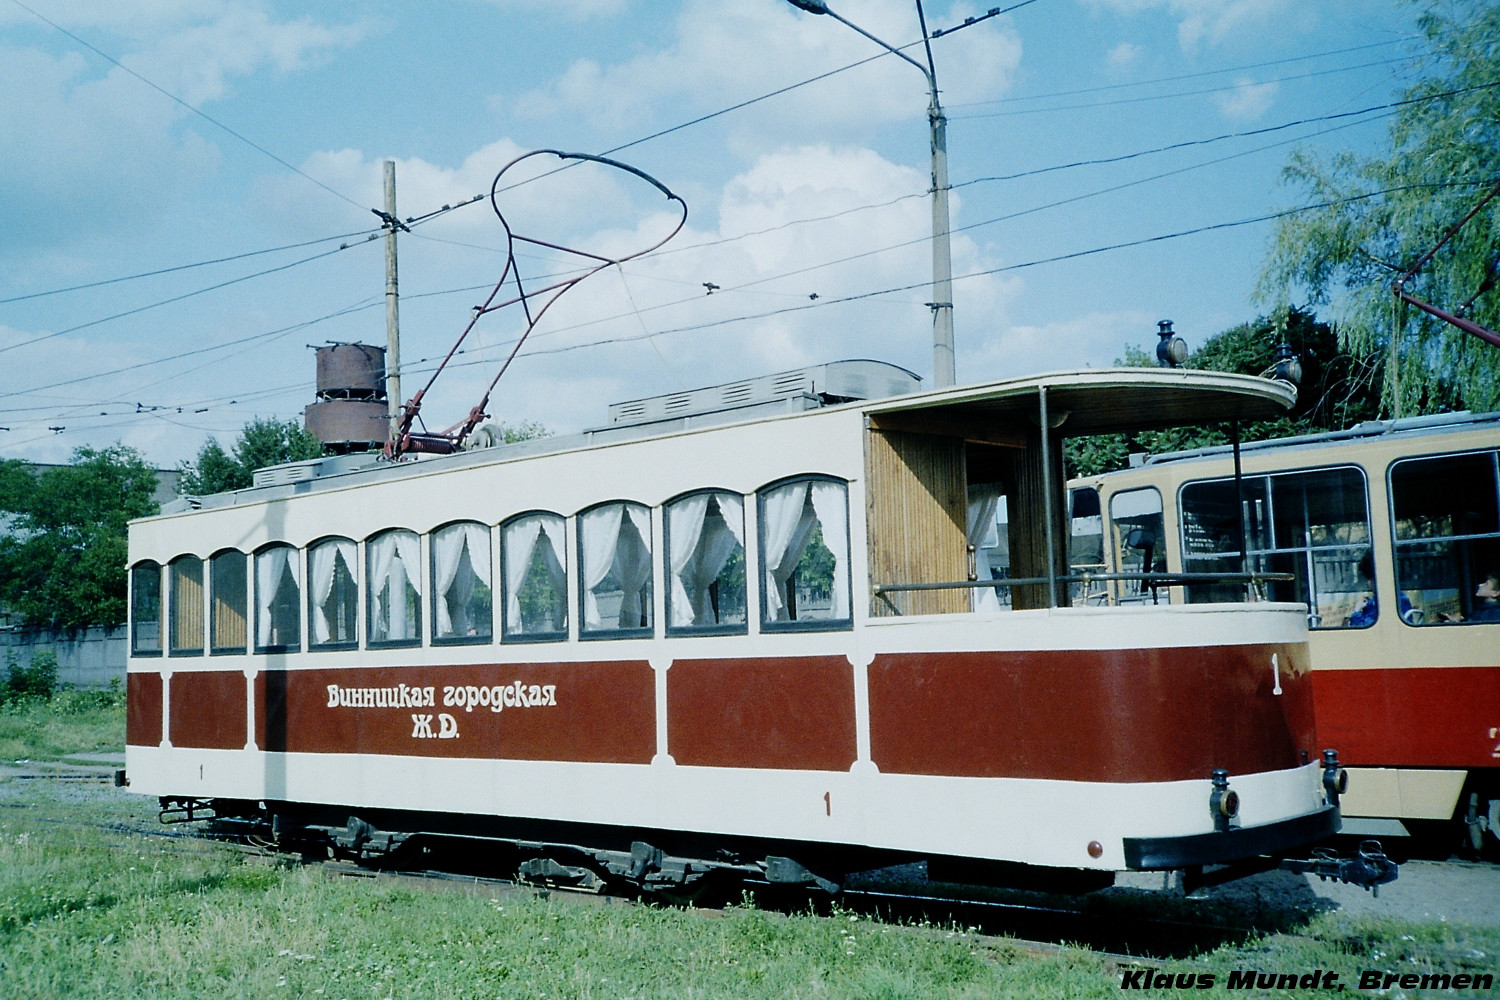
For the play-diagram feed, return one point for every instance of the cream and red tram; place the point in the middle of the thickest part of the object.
(1390, 534)
(735, 628)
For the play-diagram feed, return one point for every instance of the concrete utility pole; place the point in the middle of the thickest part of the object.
(942, 258)
(392, 304)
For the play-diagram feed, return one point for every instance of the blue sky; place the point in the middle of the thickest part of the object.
(280, 115)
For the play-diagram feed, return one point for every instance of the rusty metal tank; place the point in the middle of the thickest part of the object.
(351, 371)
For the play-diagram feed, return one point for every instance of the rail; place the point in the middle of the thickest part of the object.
(1150, 581)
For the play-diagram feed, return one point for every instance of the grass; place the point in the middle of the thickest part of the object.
(71, 722)
(90, 908)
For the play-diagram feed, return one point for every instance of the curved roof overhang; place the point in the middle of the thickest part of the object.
(1093, 401)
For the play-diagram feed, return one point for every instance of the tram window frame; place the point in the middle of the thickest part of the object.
(515, 633)
(438, 601)
(373, 589)
(647, 590)
(350, 601)
(673, 580)
(765, 570)
(1119, 545)
(1458, 546)
(142, 594)
(220, 610)
(270, 616)
(1309, 561)
(180, 615)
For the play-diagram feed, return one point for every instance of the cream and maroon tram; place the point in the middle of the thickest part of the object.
(738, 628)
(1389, 534)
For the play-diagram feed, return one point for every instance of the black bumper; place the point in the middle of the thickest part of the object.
(1232, 845)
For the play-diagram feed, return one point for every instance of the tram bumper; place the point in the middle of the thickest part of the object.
(1234, 844)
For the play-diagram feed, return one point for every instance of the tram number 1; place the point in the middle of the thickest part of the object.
(828, 802)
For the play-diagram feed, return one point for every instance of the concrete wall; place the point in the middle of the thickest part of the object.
(87, 658)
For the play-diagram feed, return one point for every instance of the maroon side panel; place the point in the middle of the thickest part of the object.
(1091, 715)
(1412, 717)
(597, 712)
(143, 709)
(792, 712)
(208, 710)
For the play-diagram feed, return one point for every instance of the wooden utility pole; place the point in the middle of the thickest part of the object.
(392, 304)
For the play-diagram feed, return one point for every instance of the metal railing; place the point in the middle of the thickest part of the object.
(1151, 581)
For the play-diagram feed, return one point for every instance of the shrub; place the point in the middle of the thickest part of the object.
(35, 681)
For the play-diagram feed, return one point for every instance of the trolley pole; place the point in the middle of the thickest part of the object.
(392, 305)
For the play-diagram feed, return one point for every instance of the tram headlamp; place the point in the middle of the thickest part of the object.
(1171, 350)
(1335, 778)
(1223, 802)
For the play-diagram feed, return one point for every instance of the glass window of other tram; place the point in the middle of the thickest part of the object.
(278, 600)
(533, 562)
(1135, 517)
(393, 602)
(145, 609)
(462, 595)
(332, 593)
(804, 555)
(614, 546)
(227, 593)
(1446, 521)
(706, 559)
(1313, 526)
(185, 617)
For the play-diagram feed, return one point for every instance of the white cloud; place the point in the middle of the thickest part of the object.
(1247, 101)
(577, 9)
(739, 51)
(1125, 54)
(1205, 21)
(1091, 340)
(92, 149)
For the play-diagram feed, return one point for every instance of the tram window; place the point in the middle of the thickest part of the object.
(185, 617)
(227, 593)
(1136, 519)
(332, 594)
(1313, 525)
(394, 603)
(278, 600)
(1446, 521)
(145, 609)
(1086, 547)
(533, 561)
(614, 545)
(706, 557)
(462, 595)
(804, 555)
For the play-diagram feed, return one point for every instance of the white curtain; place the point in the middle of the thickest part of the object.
(456, 575)
(633, 569)
(271, 567)
(700, 548)
(984, 500)
(519, 545)
(393, 564)
(601, 538)
(781, 518)
(322, 565)
(831, 503)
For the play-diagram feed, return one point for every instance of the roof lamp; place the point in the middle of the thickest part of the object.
(1288, 365)
(1171, 350)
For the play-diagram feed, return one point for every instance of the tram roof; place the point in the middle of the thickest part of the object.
(1089, 402)
(1106, 400)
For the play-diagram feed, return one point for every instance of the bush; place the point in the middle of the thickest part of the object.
(74, 701)
(37, 681)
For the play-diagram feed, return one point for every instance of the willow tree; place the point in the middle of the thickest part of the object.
(1382, 214)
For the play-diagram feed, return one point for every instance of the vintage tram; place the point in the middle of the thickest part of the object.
(1389, 536)
(738, 630)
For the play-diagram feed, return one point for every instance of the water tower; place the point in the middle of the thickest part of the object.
(350, 412)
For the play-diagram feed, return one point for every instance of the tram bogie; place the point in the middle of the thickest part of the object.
(743, 641)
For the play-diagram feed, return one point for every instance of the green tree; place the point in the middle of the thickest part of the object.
(263, 442)
(1338, 389)
(62, 556)
(1387, 211)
